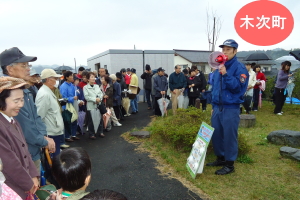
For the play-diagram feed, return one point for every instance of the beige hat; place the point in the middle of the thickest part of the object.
(10, 83)
(46, 73)
(113, 77)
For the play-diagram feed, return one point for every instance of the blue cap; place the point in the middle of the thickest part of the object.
(230, 43)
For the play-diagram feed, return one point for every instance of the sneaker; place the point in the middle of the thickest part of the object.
(216, 163)
(69, 140)
(117, 124)
(255, 110)
(75, 138)
(278, 113)
(64, 146)
(225, 170)
(281, 112)
(102, 135)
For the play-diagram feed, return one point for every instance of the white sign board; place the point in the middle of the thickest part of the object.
(195, 161)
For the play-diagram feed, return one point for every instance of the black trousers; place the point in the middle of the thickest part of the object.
(279, 100)
(255, 98)
(192, 101)
(117, 111)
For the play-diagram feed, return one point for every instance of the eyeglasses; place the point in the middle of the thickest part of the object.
(25, 65)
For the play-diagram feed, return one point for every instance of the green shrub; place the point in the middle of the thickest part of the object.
(181, 130)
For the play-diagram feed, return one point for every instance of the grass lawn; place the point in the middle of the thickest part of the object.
(269, 176)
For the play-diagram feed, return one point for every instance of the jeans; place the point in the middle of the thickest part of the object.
(68, 135)
(57, 139)
(247, 103)
(148, 94)
(134, 104)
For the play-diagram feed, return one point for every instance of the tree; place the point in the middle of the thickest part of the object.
(212, 31)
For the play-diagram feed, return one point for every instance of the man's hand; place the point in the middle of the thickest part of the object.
(51, 145)
(222, 69)
(75, 98)
(98, 100)
(203, 90)
(105, 96)
(80, 103)
(173, 92)
(212, 111)
(162, 92)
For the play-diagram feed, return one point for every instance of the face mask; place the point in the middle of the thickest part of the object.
(56, 84)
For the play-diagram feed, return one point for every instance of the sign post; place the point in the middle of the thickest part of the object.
(195, 161)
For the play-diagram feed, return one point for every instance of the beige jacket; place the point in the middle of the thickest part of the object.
(49, 110)
(90, 95)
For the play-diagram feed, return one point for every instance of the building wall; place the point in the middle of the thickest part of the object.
(178, 60)
(156, 59)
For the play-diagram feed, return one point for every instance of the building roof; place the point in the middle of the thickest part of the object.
(194, 56)
(130, 51)
(260, 62)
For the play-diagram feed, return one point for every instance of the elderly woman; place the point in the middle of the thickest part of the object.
(93, 97)
(18, 167)
(108, 98)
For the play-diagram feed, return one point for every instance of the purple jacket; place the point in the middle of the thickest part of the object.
(282, 79)
(18, 167)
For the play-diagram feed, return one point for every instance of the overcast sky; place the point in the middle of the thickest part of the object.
(58, 31)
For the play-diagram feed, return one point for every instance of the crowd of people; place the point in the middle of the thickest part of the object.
(49, 110)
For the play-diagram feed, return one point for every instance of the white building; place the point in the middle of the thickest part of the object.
(115, 59)
(188, 58)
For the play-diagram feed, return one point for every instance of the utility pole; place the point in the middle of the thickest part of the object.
(75, 65)
(213, 44)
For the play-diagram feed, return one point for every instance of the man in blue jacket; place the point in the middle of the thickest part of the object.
(177, 84)
(15, 64)
(229, 84)
(67, 90)
(160, 83)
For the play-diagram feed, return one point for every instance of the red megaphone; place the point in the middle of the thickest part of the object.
(221, 59)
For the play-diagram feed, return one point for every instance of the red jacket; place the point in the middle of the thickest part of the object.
(82, 84)
(127, 79)
(259, 76)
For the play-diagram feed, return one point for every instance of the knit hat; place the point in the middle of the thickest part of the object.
(133, 70)
(10, 83)
(113, 77)
(119, 75)
(148, 67)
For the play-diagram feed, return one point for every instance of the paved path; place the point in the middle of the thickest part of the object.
(117, 166)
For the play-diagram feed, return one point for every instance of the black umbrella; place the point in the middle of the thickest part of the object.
(296, 54)
(60, 68)
(257, 57)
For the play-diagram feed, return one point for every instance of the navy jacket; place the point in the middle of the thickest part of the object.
(117, 94)
(234, 85)
(160, 84)
(177, 81)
